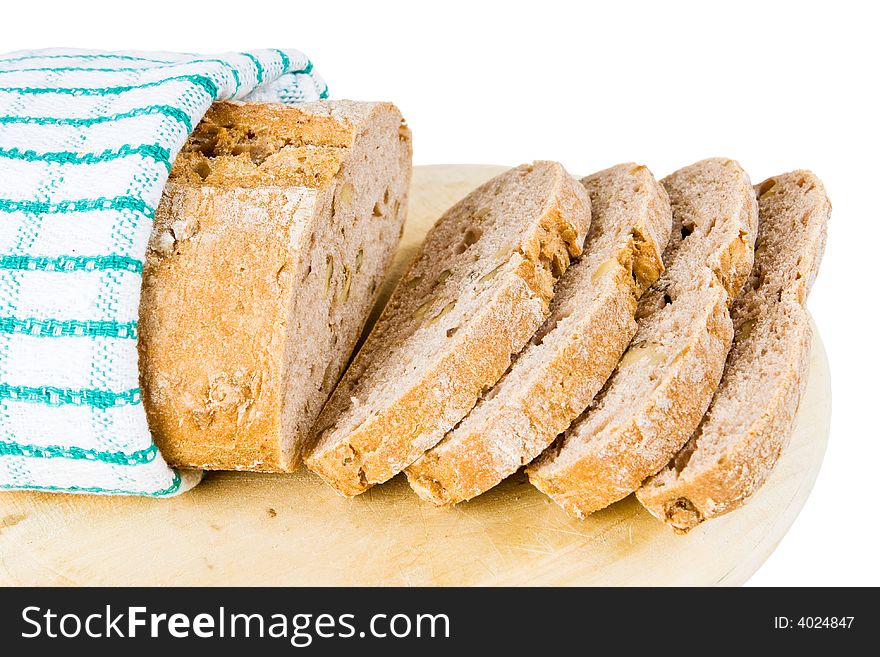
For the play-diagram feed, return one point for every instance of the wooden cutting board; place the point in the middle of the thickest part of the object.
(243, 528)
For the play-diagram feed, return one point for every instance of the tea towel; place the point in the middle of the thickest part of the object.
(87, 139)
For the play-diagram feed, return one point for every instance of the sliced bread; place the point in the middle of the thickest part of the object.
(665, 380)
(477, 291)
(275, 229)
(752, 413)
(555, 377)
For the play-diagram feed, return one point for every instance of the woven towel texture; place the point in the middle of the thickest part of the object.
(86, 143)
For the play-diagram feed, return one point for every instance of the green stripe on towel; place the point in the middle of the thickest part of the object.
(68, 328)
(257, 65)
(166, 110)
(52, 396)
(78, 453)
(71, 263)
(202, 81)
(153, 151)
(173, 488)
(80, 205)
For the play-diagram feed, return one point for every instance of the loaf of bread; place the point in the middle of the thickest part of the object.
(752, 413)
(566, 362)
(275, 229)
(477, 291)
(665, 380)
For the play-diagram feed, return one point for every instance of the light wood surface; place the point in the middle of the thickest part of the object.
(242, 528)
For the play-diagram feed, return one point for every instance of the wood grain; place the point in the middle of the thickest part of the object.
(242, 528)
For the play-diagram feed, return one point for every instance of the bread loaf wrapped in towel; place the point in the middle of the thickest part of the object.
(88, 141)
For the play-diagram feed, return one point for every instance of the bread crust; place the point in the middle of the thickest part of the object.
(556, 376)
(212, 394)
(752, 414)
(663, 384)
(396, 434)
(228, 258)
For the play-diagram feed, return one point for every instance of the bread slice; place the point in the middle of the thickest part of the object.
(752, 413)
(565, 364)
(276, 227)
(476, 292)
(665, 380)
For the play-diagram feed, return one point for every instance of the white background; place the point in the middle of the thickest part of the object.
(776, 85)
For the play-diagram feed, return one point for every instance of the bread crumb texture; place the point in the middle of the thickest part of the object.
(476, 292)
(665, 380)
(556, 375)
(752, 414)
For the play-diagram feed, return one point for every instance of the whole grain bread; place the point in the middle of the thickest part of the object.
(654, 400)
(275, 229)
(751, 416)
(559, 371)
(478, 290)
